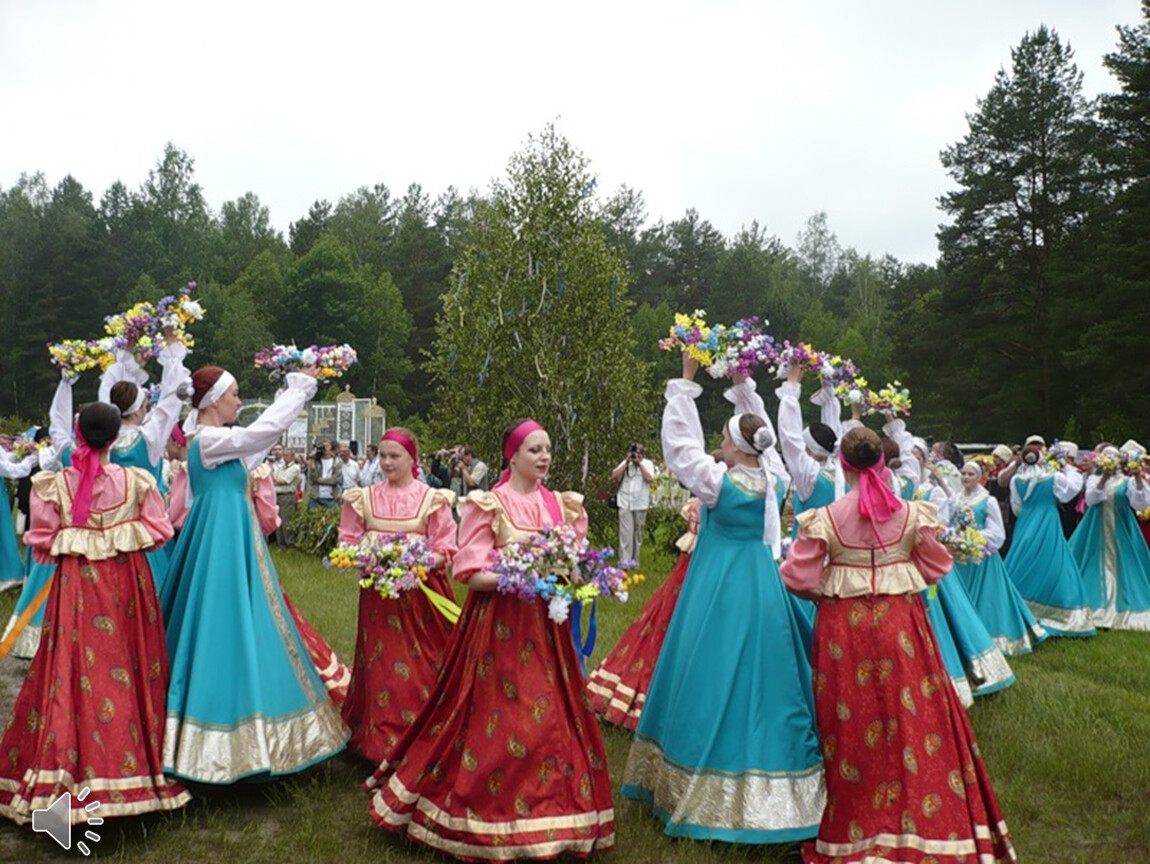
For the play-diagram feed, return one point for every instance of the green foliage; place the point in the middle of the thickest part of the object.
(535, 322)
(663, 527)
(315, 530)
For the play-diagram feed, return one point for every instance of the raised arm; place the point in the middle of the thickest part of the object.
(157, 426)
(804, 470)
(746, 399)
(1067, 483)
(684, 448)
(219, 444)
(60, 416)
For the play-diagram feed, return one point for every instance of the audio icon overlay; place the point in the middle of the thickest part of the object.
(56, 821)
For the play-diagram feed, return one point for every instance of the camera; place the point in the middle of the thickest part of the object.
(633, 451)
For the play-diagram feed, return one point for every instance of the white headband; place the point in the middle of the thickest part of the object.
(141, 397)
(974, 465)
(217, 391)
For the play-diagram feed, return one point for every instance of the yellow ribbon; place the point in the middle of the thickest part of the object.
(447, 608)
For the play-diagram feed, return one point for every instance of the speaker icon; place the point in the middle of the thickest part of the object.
(55, 820)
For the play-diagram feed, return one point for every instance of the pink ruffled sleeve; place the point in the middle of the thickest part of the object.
(352, 526)
(802, 572)
(154, 516)
(932, 559)
(178, 498)
(441, 532)
(264, 498)
(476, 536)
(44, 519)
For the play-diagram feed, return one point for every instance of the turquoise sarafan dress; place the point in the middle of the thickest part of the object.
(131, 451)
(1040, 563)
(726, 747)
(244, 700)
(1112, 555)
(28, 641)
(1008, 619)
(987, 670)
(11, 564)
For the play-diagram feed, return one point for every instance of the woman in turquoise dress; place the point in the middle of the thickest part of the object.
(11, 468)
(244, 700)
(726, 747)
(1040, 563)
(1007, 617)
(1111, 552)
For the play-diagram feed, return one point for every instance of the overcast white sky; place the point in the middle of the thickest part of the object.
(764, 110)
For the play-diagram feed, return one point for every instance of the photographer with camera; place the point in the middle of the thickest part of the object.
(634, 476)
(323, 476)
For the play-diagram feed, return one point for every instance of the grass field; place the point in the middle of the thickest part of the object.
(1067, 747)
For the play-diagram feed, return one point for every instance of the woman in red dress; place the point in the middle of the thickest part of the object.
(618, 685)
(905, 780)
(506, 762)
(400, 641)
(91, 710)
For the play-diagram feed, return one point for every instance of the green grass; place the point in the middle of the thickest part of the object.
(1066, 747)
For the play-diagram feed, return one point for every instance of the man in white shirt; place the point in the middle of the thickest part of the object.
(349, 468)
(323, 479)
(634, 476)
(371, 473)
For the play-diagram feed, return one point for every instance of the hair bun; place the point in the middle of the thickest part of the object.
(764, 439)
(185, 390)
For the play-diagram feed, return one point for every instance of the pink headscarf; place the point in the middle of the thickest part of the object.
(514, 442)
(407, 444)
(87, 462)
(876, 502)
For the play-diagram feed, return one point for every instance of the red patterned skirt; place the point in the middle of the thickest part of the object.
(506, 762)
(905, 781)
(399, 649)
(91, 710)
(332, 671)
(618, 686)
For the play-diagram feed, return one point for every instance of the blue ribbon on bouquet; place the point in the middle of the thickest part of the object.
(583, 649)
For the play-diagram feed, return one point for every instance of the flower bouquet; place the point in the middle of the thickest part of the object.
(73, 356)
(1108, 463)
(691, 335)
(177, 311)
(1133, 464)
(23, 447)
(332, 360)
(965, 542)
(1056, 457)
(134, 330)
(844, 377)
(741, 347)
(891, 399)
(389, 565)
(802, 355)
(559, 568)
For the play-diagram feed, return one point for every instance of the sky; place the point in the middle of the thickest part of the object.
(765, 111)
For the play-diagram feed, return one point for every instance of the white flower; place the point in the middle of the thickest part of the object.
(855, 395)
(194, 309)
(558, 608)
(307, 357)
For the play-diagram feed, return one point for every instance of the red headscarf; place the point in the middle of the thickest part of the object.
(407, 444)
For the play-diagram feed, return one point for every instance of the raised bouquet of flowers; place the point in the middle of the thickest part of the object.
(891, 399)
(965, 542)
(801, 355)
(389, 565)
(741, 347)
(691, 335)
(1056, 456)
(177, 311)
(1133, 464)
(73, 356)
(559, 568)
(844, 377)
(1108, 462)
(140, 329)
(332, 360)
